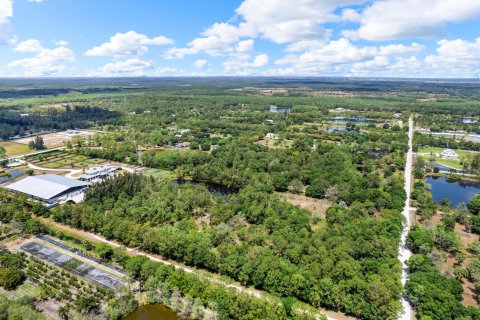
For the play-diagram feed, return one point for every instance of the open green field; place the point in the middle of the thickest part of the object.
(425, 152)
(461, 153)
(14, 148)
(157, 173)
(455, 164)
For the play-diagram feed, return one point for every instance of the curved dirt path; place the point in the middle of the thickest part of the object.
(71, 172)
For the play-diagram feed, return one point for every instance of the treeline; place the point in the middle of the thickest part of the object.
(195, 298)
(77, 117)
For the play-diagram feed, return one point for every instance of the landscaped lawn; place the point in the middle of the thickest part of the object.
(461, 153)
(14, 148)
(445, 162)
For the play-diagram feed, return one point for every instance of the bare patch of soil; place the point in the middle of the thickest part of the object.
(318, 206)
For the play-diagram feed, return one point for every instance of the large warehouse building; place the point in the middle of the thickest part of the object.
(50, 188)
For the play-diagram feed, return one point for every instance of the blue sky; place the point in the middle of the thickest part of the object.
(393, 38)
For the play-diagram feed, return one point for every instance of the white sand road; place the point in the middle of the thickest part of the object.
(403, 252)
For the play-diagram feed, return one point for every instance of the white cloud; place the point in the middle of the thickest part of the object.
(280, 21)
(127, 44)
(36, 1)
(30, 45)
(62, 43)
(285, 21)
(167, 71)
(47, 62)
(200, 63)
(133, 67)
(215, 41)
(305, 44)
(245, 45)
(456, 58)
(6, 12)
(401, 19)
(260, 61)
(400, 49)
(243, 64)
(335, 52)
(342, 57)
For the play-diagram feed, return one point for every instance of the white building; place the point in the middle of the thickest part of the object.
(449, 154)
(272, 136)
(50, 188)
(96, 174)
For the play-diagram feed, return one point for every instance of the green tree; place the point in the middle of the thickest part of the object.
(474, 204)
(10, 279)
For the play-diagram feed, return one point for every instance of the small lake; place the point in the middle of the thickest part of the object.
(12, 175)
(455, 191)
(352, 121)
(152, 312)
(212, 187)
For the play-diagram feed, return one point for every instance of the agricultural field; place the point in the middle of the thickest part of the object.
(93, 274)
(14, 148)
(64, 160)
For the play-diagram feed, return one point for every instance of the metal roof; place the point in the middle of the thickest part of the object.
(46, 186)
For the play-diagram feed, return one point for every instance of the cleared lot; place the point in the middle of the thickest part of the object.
(58, 139)
(14, 148)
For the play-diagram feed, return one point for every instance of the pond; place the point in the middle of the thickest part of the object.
(212, 187)
(455, 191)
(345, 121)
(152, 312)
(12, 175)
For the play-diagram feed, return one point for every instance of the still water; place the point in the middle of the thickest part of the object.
(455, 191)
(345, 121)
(212, 187)
(152, 312)
(12, 175)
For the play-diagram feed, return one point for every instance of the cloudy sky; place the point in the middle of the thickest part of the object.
(394, 38)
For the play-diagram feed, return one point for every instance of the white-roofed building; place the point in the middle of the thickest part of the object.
(271, 135)
(449, 154)
(49, 188)
(99, 173)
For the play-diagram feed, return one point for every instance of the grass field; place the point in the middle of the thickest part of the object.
(461, 153)
(26, 289)
(14, 148)
(157, 173)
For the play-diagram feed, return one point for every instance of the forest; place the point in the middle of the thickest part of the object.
(343, 152)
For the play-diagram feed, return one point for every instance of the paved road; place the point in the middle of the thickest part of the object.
(403, 252)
